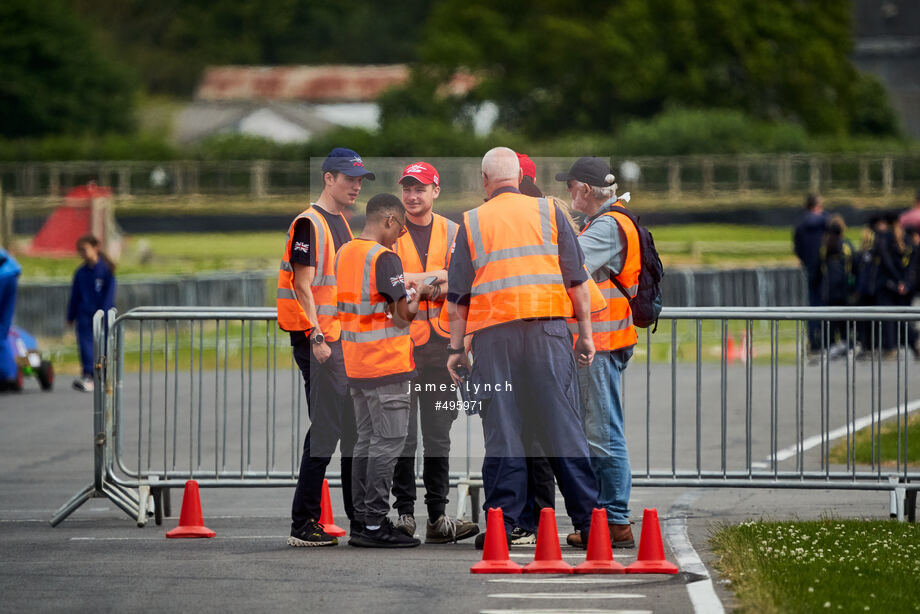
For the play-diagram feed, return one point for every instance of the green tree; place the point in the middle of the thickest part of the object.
(53, 80)
(170, 42)
(555, 65)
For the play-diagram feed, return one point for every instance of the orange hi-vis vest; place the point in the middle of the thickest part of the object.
(612, 328)
(443, 233)
(372, 344)
(291, 316)
(514, 247)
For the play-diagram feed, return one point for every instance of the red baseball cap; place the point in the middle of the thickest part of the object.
(527, 166)
(422, 172)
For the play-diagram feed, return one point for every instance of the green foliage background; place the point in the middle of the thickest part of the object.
(53, 80)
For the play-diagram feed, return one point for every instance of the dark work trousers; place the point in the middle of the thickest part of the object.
(431, 363)
(814, 300)
(332, 419)
(541, 487)
(535, 359)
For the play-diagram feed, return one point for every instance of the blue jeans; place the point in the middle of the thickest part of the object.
(604, 429)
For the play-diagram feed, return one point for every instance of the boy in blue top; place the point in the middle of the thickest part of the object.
(93, 289)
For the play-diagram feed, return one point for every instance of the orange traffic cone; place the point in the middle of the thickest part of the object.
(548, 557)
(651, 550)
(600, 553)
(731, 352)
(495, 557)
(325, 514)
(191, 523)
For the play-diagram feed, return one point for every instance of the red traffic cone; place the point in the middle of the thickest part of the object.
(600, 553)
(651, 549)
(495, 557)
(191, 523)
(325, 514)
(548, 557)
(731, 352)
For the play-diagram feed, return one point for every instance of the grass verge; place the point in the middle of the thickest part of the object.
(887, 453)
(707, 245)
(819, 566)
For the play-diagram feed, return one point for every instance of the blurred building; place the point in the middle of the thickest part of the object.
(290, 103)
(888, 46)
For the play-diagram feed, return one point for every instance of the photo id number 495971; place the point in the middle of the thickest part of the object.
(465, 406)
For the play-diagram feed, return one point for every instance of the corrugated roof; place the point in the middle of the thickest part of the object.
(330, 83)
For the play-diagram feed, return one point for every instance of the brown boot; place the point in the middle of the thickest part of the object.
(574, 540)
(621, 536)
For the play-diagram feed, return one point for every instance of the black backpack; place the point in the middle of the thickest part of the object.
(646, 305)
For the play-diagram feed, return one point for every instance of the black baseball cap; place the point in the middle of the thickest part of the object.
(348, 162)
(591, 170)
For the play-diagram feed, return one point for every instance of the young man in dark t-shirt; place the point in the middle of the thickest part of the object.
(375, 312)
(425, 252)
(307, 310)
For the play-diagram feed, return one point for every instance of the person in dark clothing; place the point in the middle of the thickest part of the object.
(837, 266)
(894, 258)
(93, 289)
(807, 239)
(541, 486)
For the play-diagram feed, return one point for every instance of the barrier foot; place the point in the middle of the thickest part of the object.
(463, 491)
(72, 505)
(474, 503)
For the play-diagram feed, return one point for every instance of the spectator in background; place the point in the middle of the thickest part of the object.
(93, 289)
(910, 219)
(809, 234)
(837, 264)
(893, 288)
(528, 185)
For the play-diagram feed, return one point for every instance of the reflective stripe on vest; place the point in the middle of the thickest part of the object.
(613, 328)
(291, 316)
(443, 234)
(514, 247)
(372, 344)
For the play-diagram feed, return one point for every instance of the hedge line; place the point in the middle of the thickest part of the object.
(676, 132)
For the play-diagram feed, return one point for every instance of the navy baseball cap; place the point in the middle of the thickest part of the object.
(346, 161)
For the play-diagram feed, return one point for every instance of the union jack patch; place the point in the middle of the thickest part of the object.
(397, 280)
(300, 246)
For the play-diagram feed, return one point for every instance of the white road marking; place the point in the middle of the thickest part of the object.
(558, 611)
(573, 580)
(525, 555)
(860, 423)
(702, 593)
(567, 596)
(121, 539)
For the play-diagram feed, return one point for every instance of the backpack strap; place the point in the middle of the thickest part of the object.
(632, 218)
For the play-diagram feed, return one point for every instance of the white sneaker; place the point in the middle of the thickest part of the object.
(83, 384)
(406, 524)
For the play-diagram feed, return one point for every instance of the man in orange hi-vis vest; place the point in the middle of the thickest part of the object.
(515, 275)
(425, 253)
(376, 311)
(610, 243)
(307, 308)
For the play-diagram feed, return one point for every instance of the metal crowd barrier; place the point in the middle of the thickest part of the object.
(716, 397)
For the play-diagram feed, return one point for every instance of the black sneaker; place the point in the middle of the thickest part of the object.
(387, 536)
(522, 537)
(311, 534)
(481, 540)
(356, 527)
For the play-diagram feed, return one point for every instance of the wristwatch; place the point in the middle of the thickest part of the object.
(451, 350)
(318, 339)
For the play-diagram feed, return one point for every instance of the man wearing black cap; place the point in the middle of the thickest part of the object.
(307, 308)
(610, 243)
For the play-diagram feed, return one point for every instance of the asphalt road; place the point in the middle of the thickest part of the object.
(99, 560)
